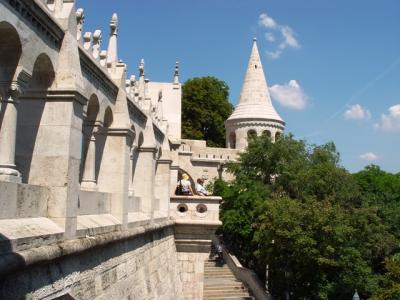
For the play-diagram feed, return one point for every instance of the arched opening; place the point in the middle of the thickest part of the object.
(278, 135)
(10, 54)
(232, 140)
(251, 134)
(38, 123)
(266, 133)
(89, 144)
(108, 118)
(181, 172)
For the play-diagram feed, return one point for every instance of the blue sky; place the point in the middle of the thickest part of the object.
(333, 66)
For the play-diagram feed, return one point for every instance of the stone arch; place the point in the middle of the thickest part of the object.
(232, 140)
(43, 74)
(192, 181)
(251, 133)
(87, 175)
(278, 134)
(37, 122)
(134, 159)
(108, 117)
(267, 133)
(10, 52)
(93, 107)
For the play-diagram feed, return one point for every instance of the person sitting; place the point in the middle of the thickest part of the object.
(200, 190)
(184, 186)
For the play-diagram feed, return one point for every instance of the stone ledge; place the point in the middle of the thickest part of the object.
(21, 234)
(17, 260)
(96, 224)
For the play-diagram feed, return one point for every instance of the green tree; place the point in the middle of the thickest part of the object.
(205, 107)
(294, 207)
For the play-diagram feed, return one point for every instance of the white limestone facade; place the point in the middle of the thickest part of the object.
(89, 162)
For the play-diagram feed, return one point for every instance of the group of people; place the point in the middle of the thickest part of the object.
(184, 187)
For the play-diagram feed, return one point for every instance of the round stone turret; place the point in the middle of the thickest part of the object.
(254, 115)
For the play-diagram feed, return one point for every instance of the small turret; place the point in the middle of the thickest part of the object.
(255, 113)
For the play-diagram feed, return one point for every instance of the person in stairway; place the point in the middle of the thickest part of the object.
(220, 257)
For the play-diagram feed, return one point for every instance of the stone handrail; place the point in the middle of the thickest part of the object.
(247, 276)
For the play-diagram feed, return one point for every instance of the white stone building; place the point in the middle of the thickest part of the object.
(89, 160)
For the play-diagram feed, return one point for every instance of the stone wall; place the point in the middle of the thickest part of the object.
(142, 267)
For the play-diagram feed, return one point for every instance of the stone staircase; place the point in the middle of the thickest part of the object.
(220, 283)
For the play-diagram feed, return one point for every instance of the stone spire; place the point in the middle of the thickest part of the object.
(255, 101)
(254, 114)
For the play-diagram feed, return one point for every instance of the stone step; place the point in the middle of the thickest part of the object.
(229, 298)
(220, 283)
(220, 295)
(216, 274)
(220, 276)
(225, 288)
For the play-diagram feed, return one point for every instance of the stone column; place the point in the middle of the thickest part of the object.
(144, 179)
(8, 134)
(132, 165)
(162, 185)
(89, 172)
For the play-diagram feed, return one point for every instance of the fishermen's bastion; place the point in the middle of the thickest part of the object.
(89, 162)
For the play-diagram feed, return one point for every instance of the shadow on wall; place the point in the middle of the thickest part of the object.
(30, 116)
(67, 271)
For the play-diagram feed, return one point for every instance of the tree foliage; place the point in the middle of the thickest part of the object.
(205, 107)
(323, 231)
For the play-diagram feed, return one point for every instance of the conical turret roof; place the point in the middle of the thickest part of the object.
(255, 101)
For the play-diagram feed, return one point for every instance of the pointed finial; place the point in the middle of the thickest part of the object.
(103, 57)
(114, 24)
(96, 43)
(80, 19)
(87, 40)
(141, 67)
(176, 73)
(254, 39)
(112, 43)
(132, 79)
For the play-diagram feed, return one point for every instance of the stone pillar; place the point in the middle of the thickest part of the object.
(174, 170)
(8, 134)
(89, 172)
(162, 185)
(132, 167)
(144, 179)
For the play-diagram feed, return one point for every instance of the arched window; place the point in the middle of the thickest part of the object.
(108, 117)
(267, 133)
(277, 135)
(232, 140)
(251, 133)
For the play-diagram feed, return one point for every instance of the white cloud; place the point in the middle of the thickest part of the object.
(357, 112)
(369, 156)
(289, 39)
(290, 95)
(266, 21)
(390, 122)
(286, 36)
(274, 54)
(270, 37)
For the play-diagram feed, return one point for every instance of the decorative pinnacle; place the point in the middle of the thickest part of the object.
(141, 67)
(176, 72)
(114, 24)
